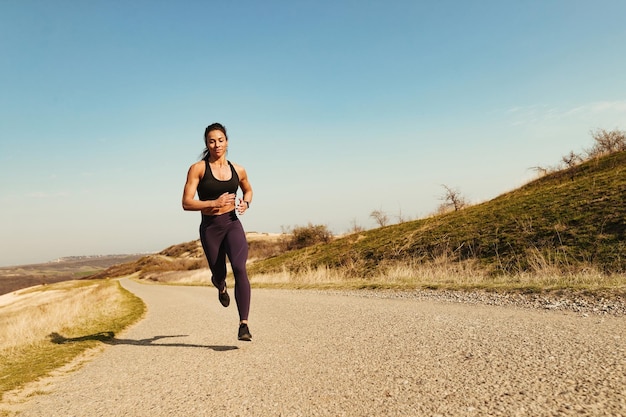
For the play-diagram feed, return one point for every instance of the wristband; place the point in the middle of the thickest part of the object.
(247, 203)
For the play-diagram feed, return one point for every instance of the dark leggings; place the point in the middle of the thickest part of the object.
(223, 235)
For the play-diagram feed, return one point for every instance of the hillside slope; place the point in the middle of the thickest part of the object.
(188, 256)
(570, 221)
(181, 257)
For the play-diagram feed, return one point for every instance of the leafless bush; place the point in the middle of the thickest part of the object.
(380, 217)
(606, 142)
(452, 199)
(571, 159)
(303, 236)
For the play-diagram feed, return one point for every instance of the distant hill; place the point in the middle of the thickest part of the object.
(568, 220)
(189, 256)
(180, 257)
(72, 267)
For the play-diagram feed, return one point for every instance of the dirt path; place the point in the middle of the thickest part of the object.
(333, 355)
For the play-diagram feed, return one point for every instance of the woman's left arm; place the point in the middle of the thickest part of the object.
(246, 188)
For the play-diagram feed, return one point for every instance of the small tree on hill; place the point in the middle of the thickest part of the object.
(380, 217)
(452, 199)
(607, 141)
(571, 160)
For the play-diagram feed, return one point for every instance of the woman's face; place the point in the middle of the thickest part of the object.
(217, 143)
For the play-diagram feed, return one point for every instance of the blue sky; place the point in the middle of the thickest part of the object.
(335, 109)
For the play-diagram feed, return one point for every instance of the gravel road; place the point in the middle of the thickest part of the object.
(321, 354)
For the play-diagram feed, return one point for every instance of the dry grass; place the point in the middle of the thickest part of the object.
(546, 273)
(28, 321)
(74, 309)
(444, 274)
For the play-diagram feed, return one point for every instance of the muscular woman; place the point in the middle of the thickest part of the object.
(216, 180)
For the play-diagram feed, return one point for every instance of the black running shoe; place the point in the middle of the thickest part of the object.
(224, 298)
(244, 332)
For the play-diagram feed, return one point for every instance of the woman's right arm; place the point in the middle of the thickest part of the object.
(191, 186)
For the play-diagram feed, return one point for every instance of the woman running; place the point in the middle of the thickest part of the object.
(216, 181)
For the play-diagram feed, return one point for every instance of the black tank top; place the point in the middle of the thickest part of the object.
(210, 188)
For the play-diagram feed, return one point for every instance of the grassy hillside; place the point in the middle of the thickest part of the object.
(562, 231)
(566, 222)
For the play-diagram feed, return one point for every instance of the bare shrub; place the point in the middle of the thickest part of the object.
(606, 142)
(452, 199)
(571, 159)
(304, 236)
(380, 217)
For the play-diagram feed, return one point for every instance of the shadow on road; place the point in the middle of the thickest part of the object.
(110, 339)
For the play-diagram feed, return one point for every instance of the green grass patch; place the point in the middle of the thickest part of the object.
(86, 312)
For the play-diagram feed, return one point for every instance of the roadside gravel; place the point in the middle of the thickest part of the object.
(337, 354)
(614, 305)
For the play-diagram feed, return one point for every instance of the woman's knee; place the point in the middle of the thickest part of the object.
(239, 271)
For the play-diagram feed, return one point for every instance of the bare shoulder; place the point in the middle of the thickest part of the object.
(197, 169)
(241, 171)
